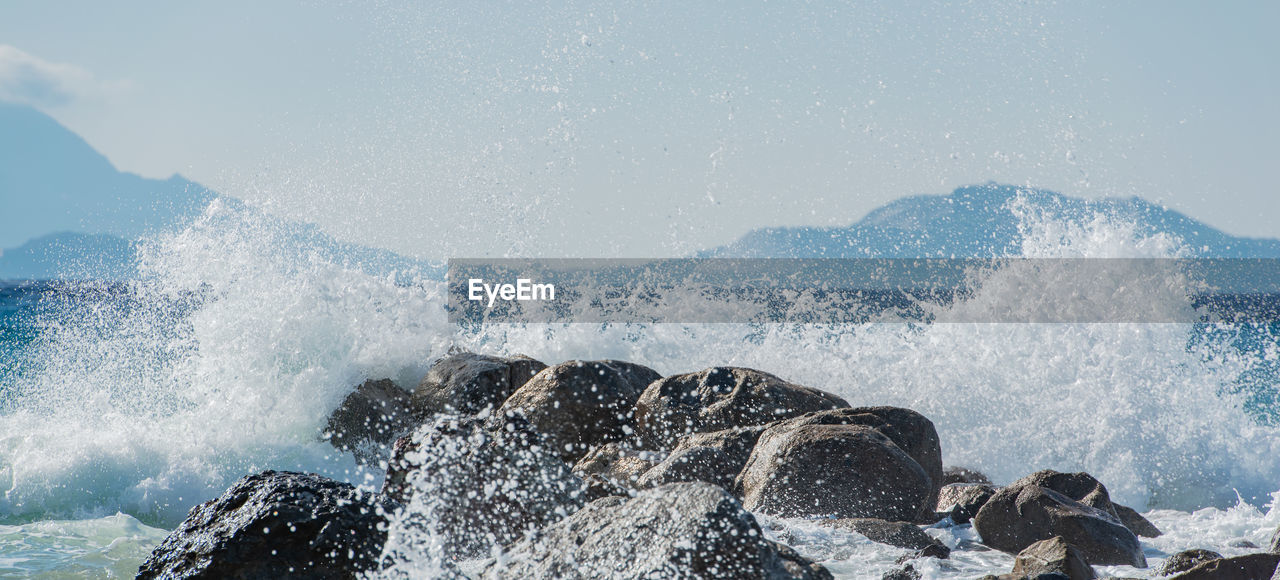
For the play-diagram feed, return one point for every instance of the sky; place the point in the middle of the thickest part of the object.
(617, 129)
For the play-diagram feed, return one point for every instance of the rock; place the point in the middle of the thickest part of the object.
(466, 383)
(900, 534)
(274, 524)
(578, 405)
(1242, 543)
(721, 398)
(1250, 566)
(706, 464)
(1275, 542)
(613, 462)
(1186, 560)
(906, 572)
(961, 501)
(681, 530)
(954, 474)
(846, 471)
(1137, 524)
(909, 430)
(736, 443)
(1050, 556)
(369, 419)
(479, 489)
(1023, 513)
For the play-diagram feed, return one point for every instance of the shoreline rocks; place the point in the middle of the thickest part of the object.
(466, 383)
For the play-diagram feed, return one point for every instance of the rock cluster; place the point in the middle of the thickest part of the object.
(606, 469)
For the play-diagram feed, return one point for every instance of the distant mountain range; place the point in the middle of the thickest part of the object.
(977, 221)
(67, 212)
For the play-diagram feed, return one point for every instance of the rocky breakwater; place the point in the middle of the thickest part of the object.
(606, 469)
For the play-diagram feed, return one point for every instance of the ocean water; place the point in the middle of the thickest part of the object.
(122, 406)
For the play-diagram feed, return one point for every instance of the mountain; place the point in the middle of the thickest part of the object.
(979, 221)
(70, 254)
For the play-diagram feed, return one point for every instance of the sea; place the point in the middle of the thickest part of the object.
(124, 404)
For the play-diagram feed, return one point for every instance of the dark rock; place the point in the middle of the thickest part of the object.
(721, 398)
(478, 488)
(369, 419)
(1258, 566)
(909, 430)
(1186, 560)
(578, 405)
(900, 534)
(706, 464)
(736, 443)
(273, 525)
(1050, 556)
(682, 530)
(961, 501)
(907, 572)
(620, 465)
(1023, 513)
(954, 474)
(1137, 524)
(466, 383)
(848, 471)
(1242, 543)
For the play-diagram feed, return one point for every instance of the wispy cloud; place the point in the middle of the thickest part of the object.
(28, 79)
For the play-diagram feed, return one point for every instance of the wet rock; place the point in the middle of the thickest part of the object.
(906, 572)
(1137, 524)
(275, 524)
(1024, 513)
(706, 464)
(955, 474)
(466, 383)
(369, 419)
(616, 463)
(1051, 556)
(1186, 560)
(721, 398)
(1250, 566)
(682, 530)
(899, 534)
(736, 443)
(479, 488)
(846, 471)
(578, 405)
(961, 501)
(909, 430)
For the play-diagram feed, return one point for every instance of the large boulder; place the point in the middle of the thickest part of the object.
(578, 405)
(706, 464)
(1023, 513)
(1136, 523)
(846, 471)
(617, 463)
(1050, 556)
(721, 398)
(961, 501)
(909, 430)
(274, 525)
(369, 419)
(1186, 560)
(478, 489)
(900, 534)
(466, 383)
(955, 474)
(682, 530)
(1258, 566)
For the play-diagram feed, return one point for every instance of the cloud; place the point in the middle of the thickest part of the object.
(31, 80)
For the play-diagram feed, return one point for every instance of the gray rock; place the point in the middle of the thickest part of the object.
(721, 398)
(1186, 560)
(1137, 524)
(682, 530)
(1024, 513)
(706, 464)
(899, 534)
(578, 405)
(736, 443)
(1053, 556)
(476, 488)
(955, 474)
(1250, 566)
(466, 383)
(906, 572)
(369, 419)
(274, 525)
(616, 463)
(846, 471)
(961, 501)
(909, 430)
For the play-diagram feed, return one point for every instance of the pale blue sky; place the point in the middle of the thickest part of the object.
(600, 130)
